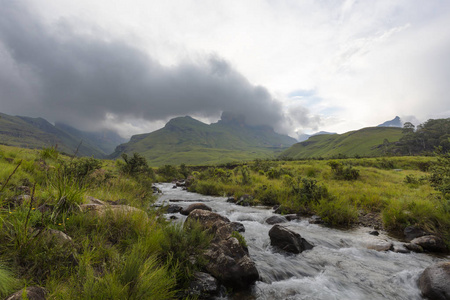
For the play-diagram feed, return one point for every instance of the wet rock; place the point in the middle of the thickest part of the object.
(173, 209)
(288, 240)
(413, 247)
(275, 219)
(180, 183)
(204, 286)
(228, 260)
(236, 226)
(292, 217)
(315, 220)
(374, 232)
(231, 200)
(412, 232)
(173, 217)
(430, 243)
(400, 249)
(380, 246)
(434, 282)
(156, 190)
(32, 292)
(194, 206)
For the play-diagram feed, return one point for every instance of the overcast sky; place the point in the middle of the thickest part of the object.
(299, 66)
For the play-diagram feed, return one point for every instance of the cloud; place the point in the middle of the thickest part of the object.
(87, 80)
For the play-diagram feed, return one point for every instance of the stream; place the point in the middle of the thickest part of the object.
(340, 266)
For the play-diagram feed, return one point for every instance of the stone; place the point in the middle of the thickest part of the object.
(400, 249)
(203, 286)
(275, 219)
(413, 247)
(434, 282)
(114, 210)
(412, 232)
(315, 220)
(374, 232)
(430, 243)
(288, 240)
(32, 292)
(292, 217)
(228, 260)
(190, 208)
(380, 246)
(237, 226)
(173, 209)
(93, 200)
(231, 200)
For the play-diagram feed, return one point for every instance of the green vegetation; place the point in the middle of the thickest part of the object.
(402, 191)
(48, 237)
(186, 140)
(366, 142)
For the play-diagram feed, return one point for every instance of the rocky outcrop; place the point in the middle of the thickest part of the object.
(194, 206)
(275, 220)
(288, 240)
(435, 281)
(228, 259)
(204, 286)
(430, 243)
(32, 292)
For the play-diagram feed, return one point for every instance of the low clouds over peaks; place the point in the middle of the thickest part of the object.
(81, 80)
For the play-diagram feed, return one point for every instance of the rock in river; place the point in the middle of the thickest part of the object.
(288, 240)
(435, 281)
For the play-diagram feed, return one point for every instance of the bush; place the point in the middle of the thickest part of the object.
(168, 173)
(135, 165)
(337, 212)
(267, 195)
(343, 173)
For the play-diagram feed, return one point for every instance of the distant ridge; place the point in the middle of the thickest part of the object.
(371, 141)
(187, 140)
(27, 132)
(304, 137)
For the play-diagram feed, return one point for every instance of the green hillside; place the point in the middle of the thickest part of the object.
(189, 141)
(364, 142)
(29, 132)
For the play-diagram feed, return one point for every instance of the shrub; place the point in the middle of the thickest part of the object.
(49, 153)
(168, 173)
(343, 173)
(135, 165)
(267, 195)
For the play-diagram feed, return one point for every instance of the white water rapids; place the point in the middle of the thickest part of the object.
(340, 266)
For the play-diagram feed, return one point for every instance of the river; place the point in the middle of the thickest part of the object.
(340, 266)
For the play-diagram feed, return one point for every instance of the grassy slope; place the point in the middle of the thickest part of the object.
(186, 140)
(363, 142)
(29, 132)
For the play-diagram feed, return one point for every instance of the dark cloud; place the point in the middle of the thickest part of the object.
(65, 76)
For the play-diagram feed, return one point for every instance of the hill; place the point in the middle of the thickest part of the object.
(396, 122)
(27, 132)
(189, 141)
(371, 141)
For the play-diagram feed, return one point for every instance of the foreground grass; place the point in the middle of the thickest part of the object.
(129, 254)
(340, 191)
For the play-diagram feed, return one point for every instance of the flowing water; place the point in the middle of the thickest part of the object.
(340, 266)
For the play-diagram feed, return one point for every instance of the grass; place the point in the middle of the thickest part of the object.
(114, 255)
(395, 188)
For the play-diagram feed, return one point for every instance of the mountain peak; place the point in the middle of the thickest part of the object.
(396, 122)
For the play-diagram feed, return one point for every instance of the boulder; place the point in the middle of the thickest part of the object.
(434, 282)
(315, 220)
(93, 200)
(190, 208)
(413, 247)
(430, 243)
(275, 219)
(228, 260)
(288, 240)
(237, 226)
(203, 286)
(114, 210)
(380, 246)
(32, 292)
(412, 232)
(374, 232)
(292, 217)
(173, 209)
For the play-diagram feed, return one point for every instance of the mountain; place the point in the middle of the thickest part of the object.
(371, 141)
(304, 136)
(187, 140)
(30, 132)
(396, 122)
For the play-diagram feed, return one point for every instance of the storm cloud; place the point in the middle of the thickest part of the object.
(81, 79)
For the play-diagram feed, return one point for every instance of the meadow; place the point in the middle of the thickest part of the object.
(48, 240)
(398, 191)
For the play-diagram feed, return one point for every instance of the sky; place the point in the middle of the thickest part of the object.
(300, 66)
